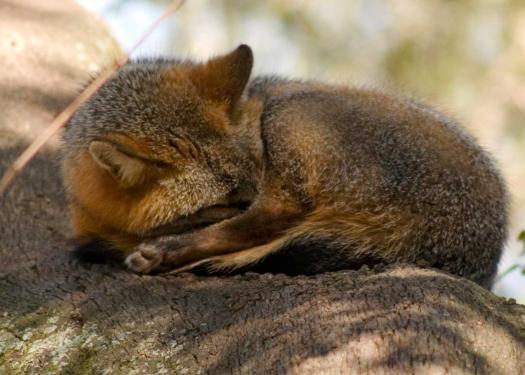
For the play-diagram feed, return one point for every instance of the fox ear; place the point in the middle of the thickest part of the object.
(126, 169)
(223, 79)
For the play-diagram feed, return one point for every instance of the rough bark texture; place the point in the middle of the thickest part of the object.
(58, 316)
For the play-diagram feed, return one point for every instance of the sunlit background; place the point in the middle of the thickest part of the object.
(465, 57)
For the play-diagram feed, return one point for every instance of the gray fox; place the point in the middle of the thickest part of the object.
(178, 164)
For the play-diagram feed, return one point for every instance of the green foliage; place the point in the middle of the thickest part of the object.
(517, 266)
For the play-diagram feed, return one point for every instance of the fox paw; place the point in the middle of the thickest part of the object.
(145, 260)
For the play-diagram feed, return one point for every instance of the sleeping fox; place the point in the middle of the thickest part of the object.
(178, 164)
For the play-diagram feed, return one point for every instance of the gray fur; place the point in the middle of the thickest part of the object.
(356, 149)
(390, 161)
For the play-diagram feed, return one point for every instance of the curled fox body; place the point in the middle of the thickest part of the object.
(178, 164)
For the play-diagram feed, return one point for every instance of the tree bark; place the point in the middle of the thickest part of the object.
(59, 316)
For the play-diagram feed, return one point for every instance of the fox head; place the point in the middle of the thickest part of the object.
(159, 141)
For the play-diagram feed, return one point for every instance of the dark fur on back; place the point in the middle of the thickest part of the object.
(388, 155)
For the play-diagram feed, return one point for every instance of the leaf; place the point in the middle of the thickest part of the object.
(506, 272)
(521, 237)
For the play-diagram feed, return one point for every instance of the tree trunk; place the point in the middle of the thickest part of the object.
(59, 316)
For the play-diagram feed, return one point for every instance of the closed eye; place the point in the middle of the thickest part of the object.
(185, 147)
(175, 145)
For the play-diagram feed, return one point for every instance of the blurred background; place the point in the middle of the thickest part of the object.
(467, 58)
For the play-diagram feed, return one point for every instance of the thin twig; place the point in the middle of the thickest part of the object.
(28, 154)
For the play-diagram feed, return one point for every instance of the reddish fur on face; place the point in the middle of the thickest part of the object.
(102, 208)
(88, 228)
(108, 204)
